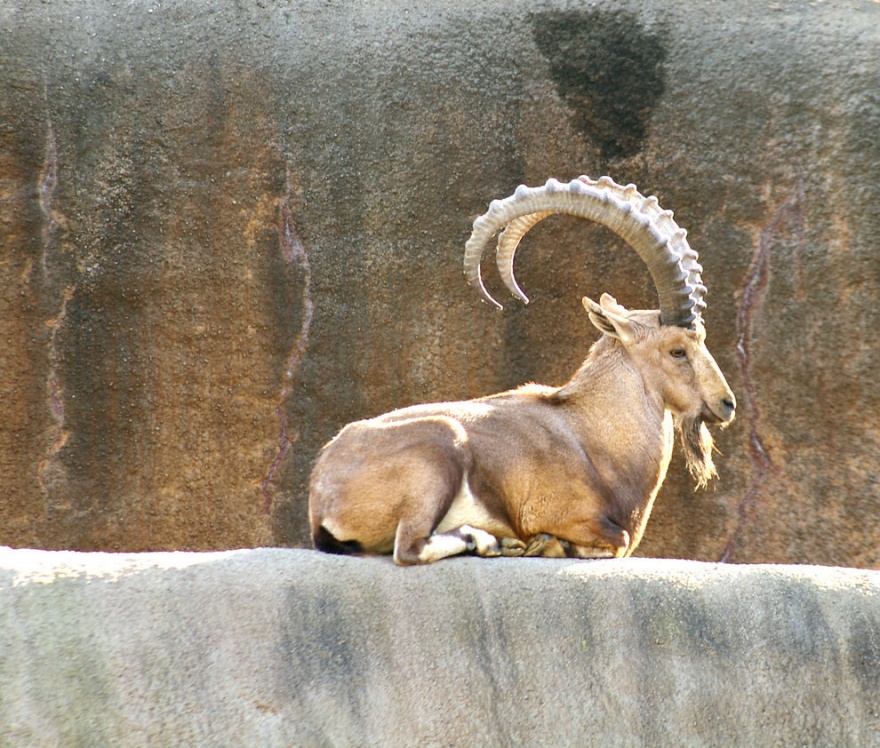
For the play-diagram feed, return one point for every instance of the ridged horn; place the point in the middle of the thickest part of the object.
(638, 220)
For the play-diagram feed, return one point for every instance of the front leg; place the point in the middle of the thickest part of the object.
(602, 538)
(580, 551)
(611, 541)
(546, 546)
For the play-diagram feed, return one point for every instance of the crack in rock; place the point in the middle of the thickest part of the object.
(294, 252)
(751, 300)
(55, 393)
(47, 183)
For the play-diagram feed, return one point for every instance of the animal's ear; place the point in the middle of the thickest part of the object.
(611, 318)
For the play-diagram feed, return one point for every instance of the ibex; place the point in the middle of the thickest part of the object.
(552, 471)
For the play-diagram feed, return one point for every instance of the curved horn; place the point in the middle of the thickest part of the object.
(639, 221)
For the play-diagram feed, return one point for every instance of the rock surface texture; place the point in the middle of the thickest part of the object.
(286, 647)
(227, 229)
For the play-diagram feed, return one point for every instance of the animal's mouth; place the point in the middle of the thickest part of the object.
(721, 415)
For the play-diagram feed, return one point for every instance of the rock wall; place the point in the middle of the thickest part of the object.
(229, 228)
(275, 647)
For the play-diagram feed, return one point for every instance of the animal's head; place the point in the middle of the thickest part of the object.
(668, 345)
(675, 362)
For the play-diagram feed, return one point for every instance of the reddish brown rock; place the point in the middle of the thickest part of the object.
(227, 231)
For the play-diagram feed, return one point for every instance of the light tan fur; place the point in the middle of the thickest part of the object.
(538, 470)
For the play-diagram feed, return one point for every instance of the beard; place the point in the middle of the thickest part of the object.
(698, 447)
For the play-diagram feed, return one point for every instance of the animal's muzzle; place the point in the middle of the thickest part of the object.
(721, 412)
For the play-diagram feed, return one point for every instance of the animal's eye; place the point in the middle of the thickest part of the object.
(678, 353)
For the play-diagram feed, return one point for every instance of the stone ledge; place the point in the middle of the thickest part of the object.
(276, 647)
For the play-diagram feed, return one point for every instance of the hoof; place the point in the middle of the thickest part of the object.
(512, 546)
(546, 546)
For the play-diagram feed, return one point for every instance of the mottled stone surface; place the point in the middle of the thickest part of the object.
(229, 228)
(279, 647)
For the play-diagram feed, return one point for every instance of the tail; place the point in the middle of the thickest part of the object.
(326, 541)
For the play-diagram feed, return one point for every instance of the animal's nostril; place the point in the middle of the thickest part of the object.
(729, 403)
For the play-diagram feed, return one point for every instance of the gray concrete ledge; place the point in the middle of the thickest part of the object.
(278, 647)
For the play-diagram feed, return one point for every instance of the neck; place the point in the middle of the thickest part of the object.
(618, 416)
(607, 379)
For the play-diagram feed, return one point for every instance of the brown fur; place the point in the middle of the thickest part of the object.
(538, 470)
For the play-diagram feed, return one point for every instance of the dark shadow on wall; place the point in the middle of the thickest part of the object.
(609, 72)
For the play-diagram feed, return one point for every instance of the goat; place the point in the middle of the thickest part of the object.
(551, 471)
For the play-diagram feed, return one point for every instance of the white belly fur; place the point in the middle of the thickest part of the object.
(466, 510)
